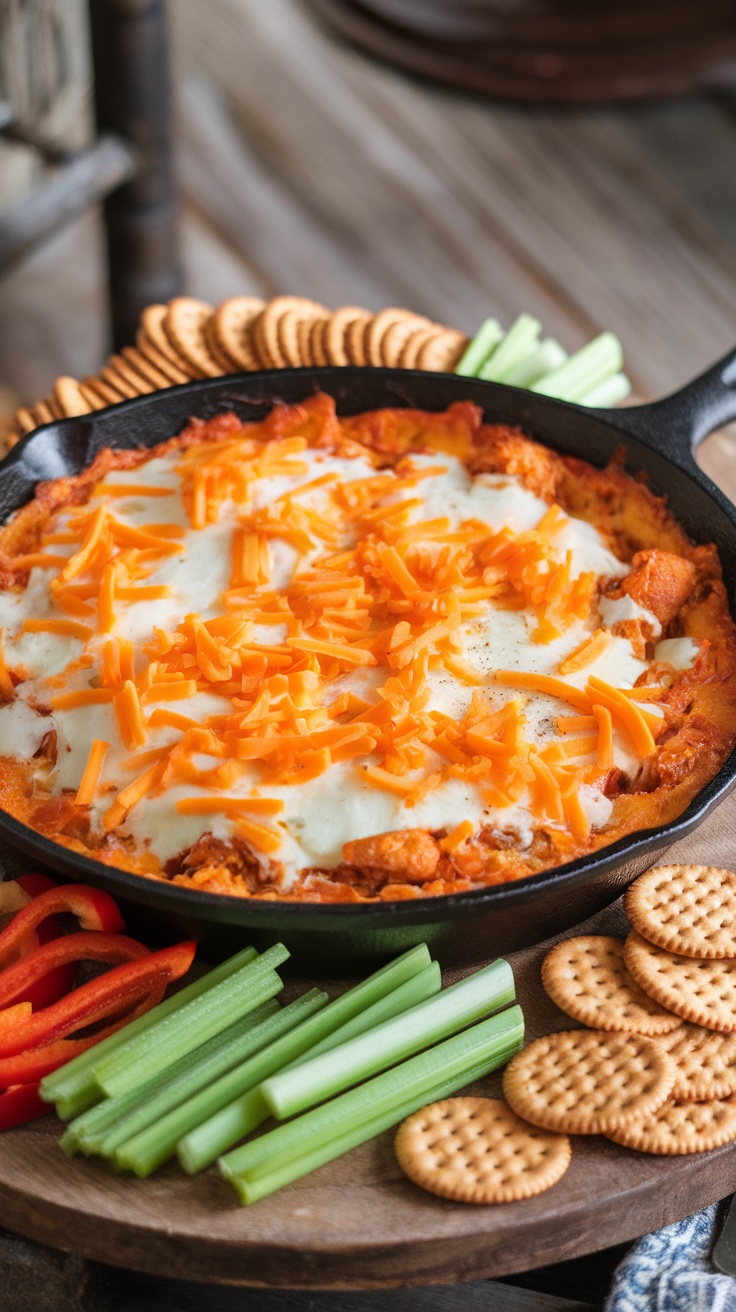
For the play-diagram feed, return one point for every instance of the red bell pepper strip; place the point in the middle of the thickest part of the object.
(20, 1104)
(16, 893)
(34, 883)
(33, 1065)
(98, 1000)
(58, 982)
(113, 949)
(94, 910)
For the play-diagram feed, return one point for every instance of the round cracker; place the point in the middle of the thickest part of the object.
(93, 398)
(355, 341)
(138, 361)
(336, 329)
(42, 414)
(108, 393)
(442, 352)
(184, 324)
(679, 1128)
(477, 1150)
(318, 348)
(703, 992)
(379, 326)
(266, 337)
(174, 372)
(231, 324)
(413, 345)
(588, 1081)
(110, 374)
(392, 339)
(69, 397)
(686, 909)
(122, 367)
(705, 1063)
(288, 326)
(588, 980)
(220, 357)
(24, 420)
(152, 325)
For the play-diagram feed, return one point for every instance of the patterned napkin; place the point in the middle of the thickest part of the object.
(670, 1271)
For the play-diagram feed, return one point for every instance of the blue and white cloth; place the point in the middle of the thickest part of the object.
(670, 1271)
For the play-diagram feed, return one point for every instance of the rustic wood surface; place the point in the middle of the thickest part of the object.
(309, 168)
(358, 1223)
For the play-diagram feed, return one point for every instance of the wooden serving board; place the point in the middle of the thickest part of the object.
(358, 1223)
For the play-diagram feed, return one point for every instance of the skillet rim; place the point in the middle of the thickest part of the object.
(417, 910)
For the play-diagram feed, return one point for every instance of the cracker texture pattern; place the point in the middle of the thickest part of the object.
(587, 978)
(477, 1150)
(703, 992)
(686, 909)
(676, 1129)
(588, 1081)
(705, 1063)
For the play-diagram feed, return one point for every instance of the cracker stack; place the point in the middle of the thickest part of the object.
(655, 1071)
(189, 339)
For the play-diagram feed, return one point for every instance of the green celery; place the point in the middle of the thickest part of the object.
(145, 1125)
(72, 1087)
(549, 355)
(380, 1095)
(218, 1095)
(478, 350)
(584, 371)
(87, 1132)
(608, 394)
(252, 1188)
(289, 1092)
(422, 986)
(205, 1142)
(520, 341)
(196, 1072)
(149, 1053)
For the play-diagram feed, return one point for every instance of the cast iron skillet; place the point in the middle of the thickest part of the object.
(465, 927)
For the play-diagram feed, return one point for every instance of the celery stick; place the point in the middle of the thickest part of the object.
(88, 1131)
(519, 342)
(149, 1053)
(584, 371)
(251, 1188)
(478, 350)
(609, 393)
(289, 1092)
(416, 990)
(549, 355)
(416, 1077)
(72, 1087)
(141, 1126)
(165, 1134)
(208, 1140)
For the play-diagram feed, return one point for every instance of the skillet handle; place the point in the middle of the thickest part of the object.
(677, 424)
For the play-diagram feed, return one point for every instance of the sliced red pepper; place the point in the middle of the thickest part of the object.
(93, 909)
(98, 1000)
(33, 1065)
(112, 949)
(14, 895)
(20, 1104)
(17, 893)
(34, 883)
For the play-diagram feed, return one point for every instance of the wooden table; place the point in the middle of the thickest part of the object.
(309, 168)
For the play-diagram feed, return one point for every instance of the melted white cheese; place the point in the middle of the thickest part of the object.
(323, 813)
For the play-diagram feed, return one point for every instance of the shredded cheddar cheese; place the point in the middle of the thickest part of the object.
(273, 623)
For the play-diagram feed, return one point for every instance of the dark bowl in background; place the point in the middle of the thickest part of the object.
(553, 51)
